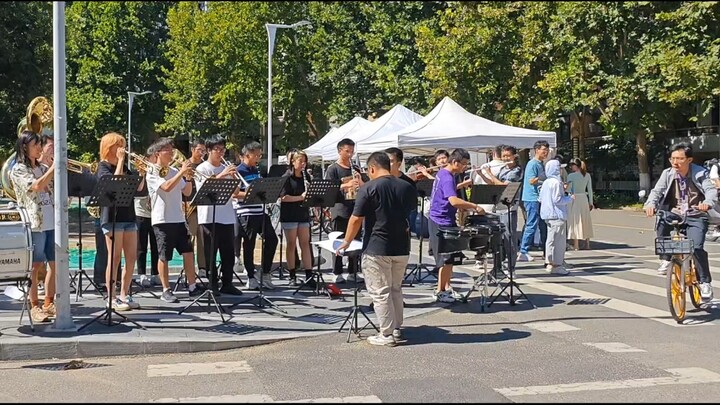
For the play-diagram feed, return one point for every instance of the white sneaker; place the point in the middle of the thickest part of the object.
(443, 296)
(267, 284)
(238, 267)
(664, 267)
(339, 279)
(351, 278)
(252, 284)
(131, 303)
(706, 292)
(145, 281)
(380, 340)
(454, 294)
(524, 257)
(561, 270)
(548, 268)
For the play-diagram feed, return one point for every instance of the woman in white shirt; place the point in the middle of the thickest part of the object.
(579, 220)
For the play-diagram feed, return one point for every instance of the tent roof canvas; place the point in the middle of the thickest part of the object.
(334, 136)
(449, 125)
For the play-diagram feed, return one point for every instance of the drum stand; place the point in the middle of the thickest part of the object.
(353, 326)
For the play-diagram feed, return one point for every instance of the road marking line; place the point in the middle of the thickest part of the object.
(621, 283)
(642, 311)
(624, 227)
(183, 369)
(551, 326)
(691, 375)
(615, 347)
(255, 398)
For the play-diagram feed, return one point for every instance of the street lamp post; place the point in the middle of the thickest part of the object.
(131, 97)
(271, 45)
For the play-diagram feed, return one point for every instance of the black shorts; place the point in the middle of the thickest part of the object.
(172, 237)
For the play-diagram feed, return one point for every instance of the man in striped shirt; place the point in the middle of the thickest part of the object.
(251, 218)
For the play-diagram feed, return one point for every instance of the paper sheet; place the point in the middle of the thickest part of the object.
(334, 241)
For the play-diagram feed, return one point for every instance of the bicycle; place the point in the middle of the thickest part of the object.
(682, 275)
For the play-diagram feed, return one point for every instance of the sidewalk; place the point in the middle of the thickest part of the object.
(200, 327)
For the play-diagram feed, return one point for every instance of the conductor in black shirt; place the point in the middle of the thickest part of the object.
(384, 203)
(350, 179)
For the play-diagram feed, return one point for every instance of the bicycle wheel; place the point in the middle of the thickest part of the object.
(676, 291)
(693, 286)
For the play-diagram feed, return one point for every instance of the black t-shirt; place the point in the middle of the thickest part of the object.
(293, 211)
(124, 214)
(408, 180)
(343, 208)
(386, 203)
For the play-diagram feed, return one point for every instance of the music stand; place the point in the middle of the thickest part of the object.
(488, 194)
(213, 192)
(508, 199)
(354, 327)
(263, 191)
(112, 192)
(424, 189)
(81, 185)
(320, 194)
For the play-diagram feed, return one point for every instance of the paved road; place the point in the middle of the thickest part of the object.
(601, 334)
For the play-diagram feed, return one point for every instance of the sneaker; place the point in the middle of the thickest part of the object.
(238, 267)
(352, 278)
(664, 267)
(443, 296)
(202, 273)
(51, 311)
(267, 284)
(561, 270)
(252, 284)
(293, 282)
(231, 289)
(38, 315)
(706, 292)
(119, 305)
(548, 268)
(380, 340)
(524, 257)
(197, 291)
(456, 295)
(506, 272)
(339, 279)
(145, 281)
(168, 296)
(398, 335)
(131, 302)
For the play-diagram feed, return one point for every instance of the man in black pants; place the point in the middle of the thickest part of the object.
(224, 219)
(143, 215)
(350, 180)
(251, 218)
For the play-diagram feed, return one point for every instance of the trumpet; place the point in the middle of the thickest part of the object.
(145, 165)
(236, 174)
(78, 167)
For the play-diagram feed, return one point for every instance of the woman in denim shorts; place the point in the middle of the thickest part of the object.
(33, 185)
(112, 162)
(294, 217)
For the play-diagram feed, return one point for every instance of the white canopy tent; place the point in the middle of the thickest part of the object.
(449, 125)
(394, 120)
(334, 136)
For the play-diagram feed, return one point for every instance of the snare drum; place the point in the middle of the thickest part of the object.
(15, 244)
(482, 221)
(452, 240)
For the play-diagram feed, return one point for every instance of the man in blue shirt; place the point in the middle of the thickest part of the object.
(534, 174)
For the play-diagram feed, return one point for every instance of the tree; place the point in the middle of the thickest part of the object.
(26, 62)
(113, 48)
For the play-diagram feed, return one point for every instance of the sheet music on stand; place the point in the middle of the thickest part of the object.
(489, 194)
(509, 196)
(321, 193)
(215, 191)
(114, 190)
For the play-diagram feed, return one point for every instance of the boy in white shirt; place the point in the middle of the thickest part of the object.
(168, 220)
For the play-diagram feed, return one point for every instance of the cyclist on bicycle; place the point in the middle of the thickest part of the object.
(685, 188)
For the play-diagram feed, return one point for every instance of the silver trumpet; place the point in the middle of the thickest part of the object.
(236, 174)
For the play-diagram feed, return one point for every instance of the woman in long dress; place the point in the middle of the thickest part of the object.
(579, 221)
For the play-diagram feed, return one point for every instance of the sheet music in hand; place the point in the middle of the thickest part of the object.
(334, 241)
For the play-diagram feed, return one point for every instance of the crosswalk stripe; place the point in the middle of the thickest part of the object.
(187, 369)
(550, 326)
(662, 316)
(615, 347)
(622, 283)
(255, 398)
(691, 375)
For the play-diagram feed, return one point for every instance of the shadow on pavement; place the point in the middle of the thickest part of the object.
(422, 335)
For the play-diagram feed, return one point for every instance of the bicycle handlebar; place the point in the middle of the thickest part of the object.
(675, 219)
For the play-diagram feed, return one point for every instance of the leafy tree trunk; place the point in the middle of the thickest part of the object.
(642, 157)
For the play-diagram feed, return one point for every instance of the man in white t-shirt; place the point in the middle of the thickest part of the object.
(224, 221)
(168, 220)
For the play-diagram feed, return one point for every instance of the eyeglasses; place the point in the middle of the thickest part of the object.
(166, 150)
(678, 159)
(219, 149)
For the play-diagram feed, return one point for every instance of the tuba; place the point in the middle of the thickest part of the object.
(39, 117)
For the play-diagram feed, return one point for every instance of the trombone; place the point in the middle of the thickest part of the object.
(236, 174)
(76, 166)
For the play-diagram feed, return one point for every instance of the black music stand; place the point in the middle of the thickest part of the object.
(112, 192)
(263, 191)
(81, 185)
(213, 192)
(487, 194)
(354, 327)
(321, 194)
(508, 199)
(424, 189)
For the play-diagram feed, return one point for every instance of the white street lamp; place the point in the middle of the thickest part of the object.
(271, 47)
(131, 97)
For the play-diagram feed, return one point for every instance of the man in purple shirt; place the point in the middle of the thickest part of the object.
(444, 203)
